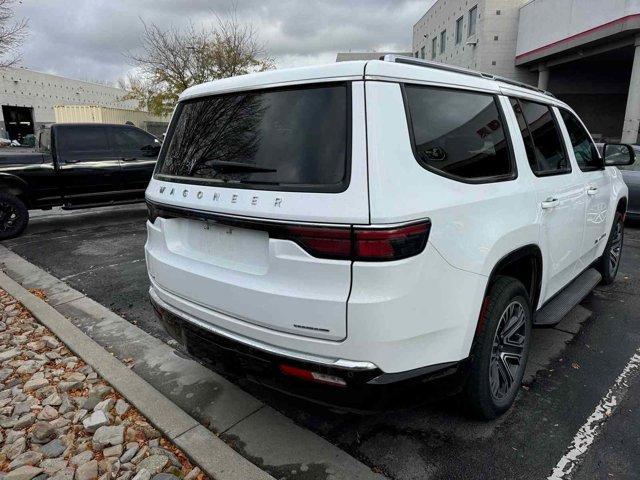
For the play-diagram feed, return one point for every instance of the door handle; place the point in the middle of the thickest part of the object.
(550, 203)
(129, 159)
(592, 190)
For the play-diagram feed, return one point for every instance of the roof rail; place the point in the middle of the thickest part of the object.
(465, 71)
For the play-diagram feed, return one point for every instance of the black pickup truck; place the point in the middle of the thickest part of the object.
(75, 166)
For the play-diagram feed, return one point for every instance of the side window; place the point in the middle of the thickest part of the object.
(133, 140)
(542, 138)
(83, 143)
(584, 149)
(459, 134)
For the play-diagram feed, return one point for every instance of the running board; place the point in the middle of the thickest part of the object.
(555, 310)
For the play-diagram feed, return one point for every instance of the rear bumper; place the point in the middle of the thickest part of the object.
(367, 387)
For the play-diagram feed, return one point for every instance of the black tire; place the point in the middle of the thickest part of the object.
(14, 216)
(609, 262)
(494, 355)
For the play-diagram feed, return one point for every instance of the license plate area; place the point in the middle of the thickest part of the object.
(230, 247)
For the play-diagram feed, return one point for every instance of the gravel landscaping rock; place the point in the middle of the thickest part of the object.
(153, 463)
(60, 421)
(42, 433)
(23, 473)
(122, 407)
(96, 420)
(81, 458)
(106, 436)
(27, 458)
(53, 449)
(87, 471)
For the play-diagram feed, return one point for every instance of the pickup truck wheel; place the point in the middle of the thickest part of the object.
(610, 261)
(501, 349)
(14, 216)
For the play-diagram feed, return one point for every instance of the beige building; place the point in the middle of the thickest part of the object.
(476, 34)
(28, 98)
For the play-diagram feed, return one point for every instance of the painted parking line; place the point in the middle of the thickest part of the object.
(587, 434)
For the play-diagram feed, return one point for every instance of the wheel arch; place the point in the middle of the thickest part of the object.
(531, 277)
(524, 264)
(15, 186)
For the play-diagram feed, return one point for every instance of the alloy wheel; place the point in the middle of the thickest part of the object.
(9, 216)
(615, 248)
(508, 349)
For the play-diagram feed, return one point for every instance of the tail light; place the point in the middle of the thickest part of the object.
(341, 243)
(364, 244)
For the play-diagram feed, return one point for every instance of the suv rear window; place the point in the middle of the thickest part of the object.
(459, 134)
(286, 139)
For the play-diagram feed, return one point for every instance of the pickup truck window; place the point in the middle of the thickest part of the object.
(83, 143)
(542, 138)
(129, 139)
(584, 149)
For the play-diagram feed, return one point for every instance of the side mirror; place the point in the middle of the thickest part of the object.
(618, 154)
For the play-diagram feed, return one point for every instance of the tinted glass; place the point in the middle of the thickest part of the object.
(583, 147)
(297, 137)
(82, 142)
(549, 154)
(526, 135)
(458, 133)
(131, 139)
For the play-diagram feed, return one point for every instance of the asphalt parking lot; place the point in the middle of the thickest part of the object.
(100, 252)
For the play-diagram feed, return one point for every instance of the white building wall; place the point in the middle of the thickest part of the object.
(543, 22)
(443, 15)
(42, 92)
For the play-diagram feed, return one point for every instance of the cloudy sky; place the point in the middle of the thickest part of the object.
(85, 39)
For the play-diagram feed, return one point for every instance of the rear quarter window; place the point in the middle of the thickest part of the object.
(459, 134)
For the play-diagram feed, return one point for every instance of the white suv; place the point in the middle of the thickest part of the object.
(336, 229)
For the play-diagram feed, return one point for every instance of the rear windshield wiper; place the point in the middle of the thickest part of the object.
(239, 167)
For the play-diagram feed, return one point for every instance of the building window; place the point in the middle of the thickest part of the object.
(443, 41)
(495, 38)
(422, 53)
(416, 55)
(434, 45)
(459, 30)
(498, 12)
(473, 18)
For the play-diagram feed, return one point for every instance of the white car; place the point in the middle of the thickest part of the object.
(333, 230)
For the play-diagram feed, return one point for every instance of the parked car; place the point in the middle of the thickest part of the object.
(631, 176)
(75, 166)
(335, 231)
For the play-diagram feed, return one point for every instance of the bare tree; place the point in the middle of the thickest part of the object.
(171, 60)
(12, 34)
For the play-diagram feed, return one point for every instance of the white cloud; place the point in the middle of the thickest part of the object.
(87, 38)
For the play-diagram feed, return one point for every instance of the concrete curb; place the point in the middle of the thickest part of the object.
(208, 451)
